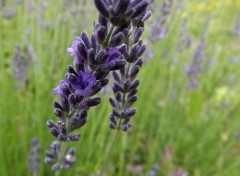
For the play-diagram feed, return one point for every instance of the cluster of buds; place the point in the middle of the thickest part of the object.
(120, 12)
(115, 45)
(125, 86)
(53, 156)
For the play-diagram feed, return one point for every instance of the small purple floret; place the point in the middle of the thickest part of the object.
(114, 54)
(84, 83)
(58, 91)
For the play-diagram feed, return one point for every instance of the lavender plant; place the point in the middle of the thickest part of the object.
(115, 45)
(185, 39)
(159, 28)
(20, 67)
(34, 157)
(237, 27)
(194, 70)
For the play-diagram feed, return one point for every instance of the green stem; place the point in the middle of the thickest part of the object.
(106, 42)
(114, 139)
(63, 149)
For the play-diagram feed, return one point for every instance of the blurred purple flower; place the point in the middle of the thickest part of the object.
(185, 39)
(159, 29)
(237, 27)
(194, 70)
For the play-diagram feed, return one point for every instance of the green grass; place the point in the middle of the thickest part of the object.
(201, 132)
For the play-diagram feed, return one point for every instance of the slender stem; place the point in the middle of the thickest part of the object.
(108, 37)
(63, 149)
(114, 139)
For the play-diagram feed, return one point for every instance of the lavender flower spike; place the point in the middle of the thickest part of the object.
(34, 158)
(95, 57)
(125, 86)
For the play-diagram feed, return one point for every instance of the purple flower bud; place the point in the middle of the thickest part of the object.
(65, 90)
(141, 50)
(140, 8)
(129, 113)
(116, 113)
(57, 105)
(62, 137)
(118, 97)
(102, 20)
(85, 40)
(49, 154)
(133, 54)
(59, 113)
(116, 86)
(83, 114)
(94, 42)
(131, 100)
(117, 39)
(121, 7)
(134, 71)
(72, 99)
(118, 64)
(102, 56)
(113, 102)
(65, 104)
(51, 124)
(125, 127)
(100, 33)
(54, 131)
(91, 57)
(71, 70)
(112, 125)
(116, 77)
(93, 101)
(137, 34)
(104, 82)
(132, 93)
(75, 137)
(102, 7)
(82, 50)
(147, 16)
(72, 151)
(134, 85)
(113, 119)
(139, 63)
(126, 85)
(126, 121)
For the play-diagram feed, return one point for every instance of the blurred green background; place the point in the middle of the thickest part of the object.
(197, 129)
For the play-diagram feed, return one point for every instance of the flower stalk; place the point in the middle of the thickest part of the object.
(105, 51)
